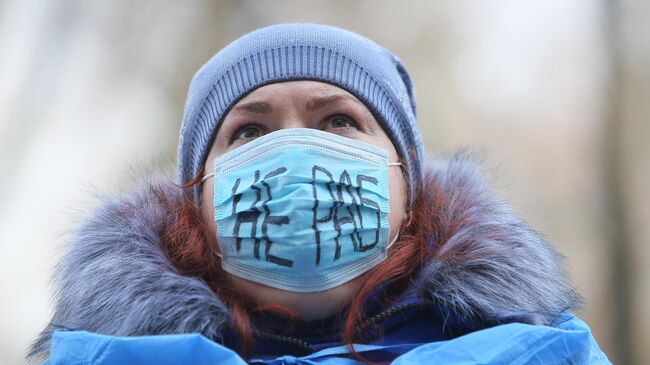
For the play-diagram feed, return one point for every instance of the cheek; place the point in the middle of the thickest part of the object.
(397, 186)
(397, 191)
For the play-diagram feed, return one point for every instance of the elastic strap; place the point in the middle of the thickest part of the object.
(394, 239)
(207, 176)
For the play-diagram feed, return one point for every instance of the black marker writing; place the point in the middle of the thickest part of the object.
(342, 193)
(317, 220)
(344, 183)
(372, 203)
(273, 219)
(248, 216)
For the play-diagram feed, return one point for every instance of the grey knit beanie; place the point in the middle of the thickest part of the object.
(301, 52)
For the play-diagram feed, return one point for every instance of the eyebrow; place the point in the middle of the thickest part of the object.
(320, 102)
(260, 107)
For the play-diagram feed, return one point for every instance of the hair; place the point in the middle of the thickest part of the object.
(194, 251)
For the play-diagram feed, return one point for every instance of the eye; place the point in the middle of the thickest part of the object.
(250, 131)
(341, 121)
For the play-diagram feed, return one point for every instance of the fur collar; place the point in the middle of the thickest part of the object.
(488, 267)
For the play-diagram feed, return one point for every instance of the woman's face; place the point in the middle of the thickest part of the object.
(303, 104)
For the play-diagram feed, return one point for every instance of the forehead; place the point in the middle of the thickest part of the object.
(295, 90)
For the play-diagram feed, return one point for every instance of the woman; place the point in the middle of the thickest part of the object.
(308, 221)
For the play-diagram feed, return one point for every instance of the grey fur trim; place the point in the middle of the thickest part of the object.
(115, 278)
(491, 268)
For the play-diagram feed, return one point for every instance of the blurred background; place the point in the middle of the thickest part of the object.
(554, 93)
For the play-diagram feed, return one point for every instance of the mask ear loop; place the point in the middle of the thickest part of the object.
(409, 220)
(207, 177)
(394, 240)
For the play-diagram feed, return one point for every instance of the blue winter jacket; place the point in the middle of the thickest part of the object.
(492, 292)
(568, 341)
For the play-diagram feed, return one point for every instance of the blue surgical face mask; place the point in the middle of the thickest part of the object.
(302, 210)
